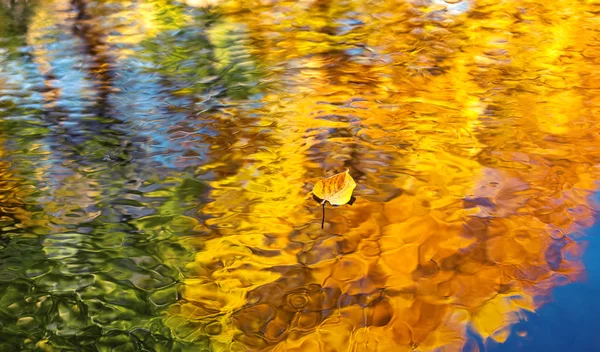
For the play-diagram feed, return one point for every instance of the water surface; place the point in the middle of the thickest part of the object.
(157, 158)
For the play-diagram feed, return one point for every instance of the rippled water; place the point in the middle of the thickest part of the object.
(157, 158)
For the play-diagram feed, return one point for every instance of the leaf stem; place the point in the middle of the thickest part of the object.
(323, 221)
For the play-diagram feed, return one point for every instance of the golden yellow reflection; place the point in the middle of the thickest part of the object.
(470, 131)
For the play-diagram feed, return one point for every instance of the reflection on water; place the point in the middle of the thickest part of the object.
(157, 156)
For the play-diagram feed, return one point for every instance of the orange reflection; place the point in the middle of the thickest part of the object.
(471, 136)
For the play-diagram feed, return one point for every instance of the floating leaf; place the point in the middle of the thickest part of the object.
(337, 190)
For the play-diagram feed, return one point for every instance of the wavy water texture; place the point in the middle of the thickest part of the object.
(157, 159)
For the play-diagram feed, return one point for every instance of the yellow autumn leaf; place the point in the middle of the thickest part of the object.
(337, 189)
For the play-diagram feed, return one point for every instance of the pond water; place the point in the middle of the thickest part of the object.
(157, 159)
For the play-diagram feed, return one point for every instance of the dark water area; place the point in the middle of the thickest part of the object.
(157, 159)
